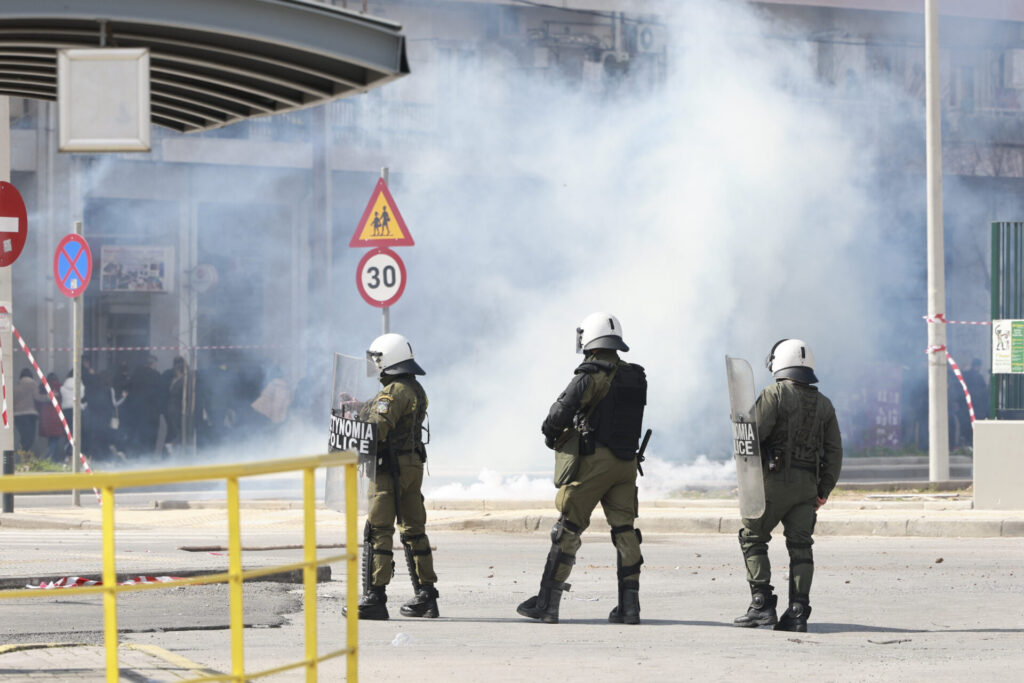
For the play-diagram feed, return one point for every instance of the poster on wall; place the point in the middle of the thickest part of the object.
(1007, 347)
(136, 269)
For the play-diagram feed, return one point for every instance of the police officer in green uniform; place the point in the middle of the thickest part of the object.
(398, 410)
(803, 453)
(601, 410)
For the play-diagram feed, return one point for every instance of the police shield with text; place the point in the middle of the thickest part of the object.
(802, 452)
(594, 426)
(398, 411)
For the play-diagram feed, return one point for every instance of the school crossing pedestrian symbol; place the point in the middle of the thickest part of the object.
(382, 224)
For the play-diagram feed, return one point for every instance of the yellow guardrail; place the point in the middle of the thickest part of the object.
(109, 482)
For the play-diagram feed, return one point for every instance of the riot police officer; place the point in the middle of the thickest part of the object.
(803, 454)
(398, 410)
(596, 421)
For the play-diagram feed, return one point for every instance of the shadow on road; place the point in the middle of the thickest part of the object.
(860, 628)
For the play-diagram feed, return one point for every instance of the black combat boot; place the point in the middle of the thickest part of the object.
(762, 608)
(628, 609)
(544, 605)
(372, 604)
(423, 604)
(794, 618)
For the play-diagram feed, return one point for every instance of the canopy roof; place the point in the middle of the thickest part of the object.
(212, 62)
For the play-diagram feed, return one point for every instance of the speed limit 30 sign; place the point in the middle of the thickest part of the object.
(380, 277)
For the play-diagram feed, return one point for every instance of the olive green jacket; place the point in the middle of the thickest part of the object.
(589, 385)
(797, 422)
(398, 410)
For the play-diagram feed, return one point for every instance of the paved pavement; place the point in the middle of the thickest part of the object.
(81, 662)
(203, 523)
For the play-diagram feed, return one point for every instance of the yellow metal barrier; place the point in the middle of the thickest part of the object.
(109, 482)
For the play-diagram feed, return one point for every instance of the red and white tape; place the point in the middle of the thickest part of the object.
(78, 581)
(956, 371)
(3, 383)
(941, 318)
(167, 348)
(53, 399)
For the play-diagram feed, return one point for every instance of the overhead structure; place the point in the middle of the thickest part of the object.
(212, 62)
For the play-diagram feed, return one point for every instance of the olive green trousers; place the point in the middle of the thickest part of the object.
(605, 479)
(382, 517)
(790, 498)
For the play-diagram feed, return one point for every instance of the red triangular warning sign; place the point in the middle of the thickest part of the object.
(382, 224)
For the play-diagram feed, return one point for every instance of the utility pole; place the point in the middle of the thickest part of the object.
(938, 417)
(6, 295)
(385, 313)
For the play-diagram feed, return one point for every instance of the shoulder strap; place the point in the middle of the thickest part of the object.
(598, 399)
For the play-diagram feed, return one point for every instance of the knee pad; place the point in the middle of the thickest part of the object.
(628, 570)
(625, 528)
(799, 553)
(562, 526)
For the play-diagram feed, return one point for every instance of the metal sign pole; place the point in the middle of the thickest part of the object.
(76, 364)
(938, 417)
(386, 311)
(6, 293)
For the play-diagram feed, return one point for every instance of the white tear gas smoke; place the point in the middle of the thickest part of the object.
(717, 214)
(732, 205)
(662, 479)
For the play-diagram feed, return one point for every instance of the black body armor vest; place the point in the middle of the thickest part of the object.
(618, 418)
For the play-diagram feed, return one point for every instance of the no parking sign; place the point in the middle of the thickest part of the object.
(72, 265)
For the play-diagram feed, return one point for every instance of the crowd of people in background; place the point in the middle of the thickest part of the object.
(132, 412)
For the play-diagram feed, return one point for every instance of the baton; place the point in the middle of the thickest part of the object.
(640, 453)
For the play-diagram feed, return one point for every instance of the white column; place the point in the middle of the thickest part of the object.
(6, 290)
(938, 417)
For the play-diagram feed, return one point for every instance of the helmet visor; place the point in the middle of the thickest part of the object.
(373, 361)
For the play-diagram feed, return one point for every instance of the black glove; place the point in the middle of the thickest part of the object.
(549, 442)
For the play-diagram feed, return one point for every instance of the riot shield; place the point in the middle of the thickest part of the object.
(746, 442)
(349, 390)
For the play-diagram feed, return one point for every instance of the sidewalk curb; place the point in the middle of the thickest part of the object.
(15, 521)
(729, 524)
(293, 576)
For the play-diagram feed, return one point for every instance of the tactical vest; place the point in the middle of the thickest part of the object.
(799, 433)
(407, 435)
(618, 418)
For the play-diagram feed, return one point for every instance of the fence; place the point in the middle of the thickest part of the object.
(108, 483)
(1006, 399)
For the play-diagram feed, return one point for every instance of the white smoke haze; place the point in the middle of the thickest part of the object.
(663, 479)
(722, 212)
(733, 205)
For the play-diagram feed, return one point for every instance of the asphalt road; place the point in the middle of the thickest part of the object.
(937, 609)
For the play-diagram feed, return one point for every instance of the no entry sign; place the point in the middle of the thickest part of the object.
(13, 223)
(380, 277)
(72, 265)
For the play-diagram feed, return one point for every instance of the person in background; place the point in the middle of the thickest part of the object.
(49, 421)
(67, 400)
(147, 404)
(175, 395)
(26, 416)
(271, 406)
(101, 419)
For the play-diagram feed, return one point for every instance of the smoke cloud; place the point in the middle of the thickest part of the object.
(739, 202)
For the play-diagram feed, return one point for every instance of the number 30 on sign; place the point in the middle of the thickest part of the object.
(380, 277)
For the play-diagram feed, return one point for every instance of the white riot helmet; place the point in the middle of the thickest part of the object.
(391, 354)
(600, 331)
(792, 359)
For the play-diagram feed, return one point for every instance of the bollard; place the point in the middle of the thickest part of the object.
(8, 469)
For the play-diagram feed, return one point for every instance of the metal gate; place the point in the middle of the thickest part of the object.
(1006, 396)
